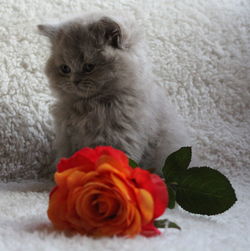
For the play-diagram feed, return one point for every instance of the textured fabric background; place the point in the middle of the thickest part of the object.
(201, 55)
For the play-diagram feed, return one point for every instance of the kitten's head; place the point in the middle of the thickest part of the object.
(88, 55)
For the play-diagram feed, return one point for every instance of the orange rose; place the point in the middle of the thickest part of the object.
(99, 194)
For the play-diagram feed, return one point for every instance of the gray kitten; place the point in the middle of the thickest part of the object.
(105, 90)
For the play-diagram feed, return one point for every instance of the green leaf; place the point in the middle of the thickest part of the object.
(176, 164)
(171, 197)
(204, 190)
(160, 223)
(173, 225)
(164, 222)
(132, 163)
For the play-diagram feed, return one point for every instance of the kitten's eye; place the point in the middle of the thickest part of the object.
(89, 67)
(65, 69)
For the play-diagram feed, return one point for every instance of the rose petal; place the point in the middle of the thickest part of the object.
(107, 168)
(150, 230)
(86, 158)
(145, 204)
(116, 165)
(122, 186)
(160, 194)
(114, 153)
(61, 177)
(75, 179)
(156, 187)
(72, 217)
(57, 209)
(134, 226)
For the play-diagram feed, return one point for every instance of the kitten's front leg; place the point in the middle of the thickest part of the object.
(62, 150)
(122, 132)
(128, 141)
(63, 144)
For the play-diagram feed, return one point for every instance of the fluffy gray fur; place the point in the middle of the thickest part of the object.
(117, 103)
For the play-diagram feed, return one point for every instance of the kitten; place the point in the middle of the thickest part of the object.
(105, 90)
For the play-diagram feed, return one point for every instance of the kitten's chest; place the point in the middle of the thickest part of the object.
(100, 118)
(85, 119)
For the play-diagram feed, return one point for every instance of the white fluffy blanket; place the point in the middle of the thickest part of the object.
(201, 56)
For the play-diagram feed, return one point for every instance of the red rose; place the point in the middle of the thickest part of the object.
(99, 194)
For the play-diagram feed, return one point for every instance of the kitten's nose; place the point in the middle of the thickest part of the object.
(76, 81)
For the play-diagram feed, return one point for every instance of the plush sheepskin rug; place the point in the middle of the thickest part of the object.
(201, 55)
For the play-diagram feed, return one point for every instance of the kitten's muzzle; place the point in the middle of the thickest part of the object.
(76, 79)
(77, 82)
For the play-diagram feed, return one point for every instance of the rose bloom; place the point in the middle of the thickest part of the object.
(98, 194)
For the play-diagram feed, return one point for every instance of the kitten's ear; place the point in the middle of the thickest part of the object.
(110, 31)
(48, 30)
